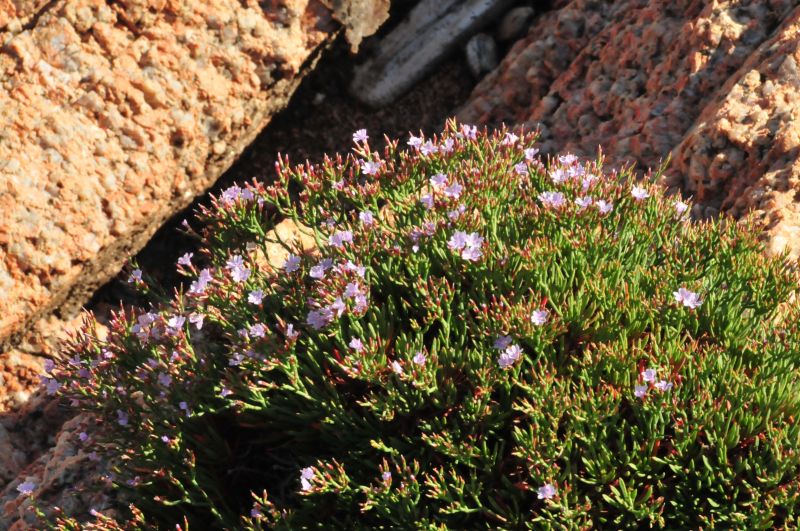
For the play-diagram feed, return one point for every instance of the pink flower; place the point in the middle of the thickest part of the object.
(453, 191)
(319, 319)
(552, 199)
(197, 320)
(583, 202)
(186, 259)
(439, 180)
(509, 356)
(639, 391)
(306, 475)
(369, 167)
(428, 148)
(604, 206)
(509, 140)
(530, 153)
(559, 175)
(415, 142)
(540, 317)
(681, 207)
(649, 375)
(663, 386)
(366, 217)
(447, 146)
(639, 193)
(419, 358)
(356, 344)
(521, 168)
(318, 271)
(360, 136)
(688, 298)
(568, 159)
(255, 297)
(257, 330)
(386, 476)
(469, 131)
(546, 492)
(427, 201)
(239, 273)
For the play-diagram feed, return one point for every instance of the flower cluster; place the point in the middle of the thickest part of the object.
(479, 336)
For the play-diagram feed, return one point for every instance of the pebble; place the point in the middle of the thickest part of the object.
(481, 52)
(515, 24)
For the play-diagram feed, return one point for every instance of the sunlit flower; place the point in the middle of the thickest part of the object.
(419, 358)
(546, 492)
(663, 386)
(688, 298)
(649, 375)
(639, 391)
(360, 136)
(306, 475)
(540, 317)
(639, 193)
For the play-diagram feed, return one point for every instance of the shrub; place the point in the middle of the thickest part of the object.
(481, 339)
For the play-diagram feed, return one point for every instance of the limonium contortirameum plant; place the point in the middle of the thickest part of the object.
(480, 338)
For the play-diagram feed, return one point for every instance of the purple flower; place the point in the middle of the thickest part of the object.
(521, 168)
(428, 148)
(357, 269)
(231, 194)
(225, 392)
(136, 276)
(318, 271)
(164, 379)
(369, 167)
(456, 213)
(26, 488)
(540, 317)
(386, 476)
(239, 273)
(427, 201)
(351, 290)
(83, 436)
(587, 181)
(360, 136)
(639, 391)
(681, 207)
(184, 406)
(453, 191)
(663, 386)
(457, 241)
(122, 418)
(255, 513)
(415, 142)
(552, 199)
(688, 298)
(419, 358)
(338, 239)
(306, 475)
(502, 342)
(319, 319)
(649, 375)
(49, 365)
(291, 333)
(175, 323)
(583, 202)
(469, 131)
(199, 286)
(366, 218)
(639, 193)
(356, 344)
(558, 175)
(255, 296)
(439, 180)
(197, 320)
(361, 303)
(257, 330)
(530, 153)
(509, 356)
(186, 259)
(338, 307)
(291, 264)
(604, 206)
(52, 386)
(447, 146)
(546, 491)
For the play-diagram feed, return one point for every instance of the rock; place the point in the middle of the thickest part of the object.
(481, 53)
(114, 115)
(704, 81)
(515, 23)
(360, 18)
(432, 30)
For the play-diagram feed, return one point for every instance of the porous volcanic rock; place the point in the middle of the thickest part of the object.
(710, 82)
(114, 115)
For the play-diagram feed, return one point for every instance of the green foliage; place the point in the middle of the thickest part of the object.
(522, 360)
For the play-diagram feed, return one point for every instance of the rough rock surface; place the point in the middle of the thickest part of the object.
(113, 115)
(702, 80)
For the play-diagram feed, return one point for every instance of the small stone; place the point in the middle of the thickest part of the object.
(481, 52)
(515, 24)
